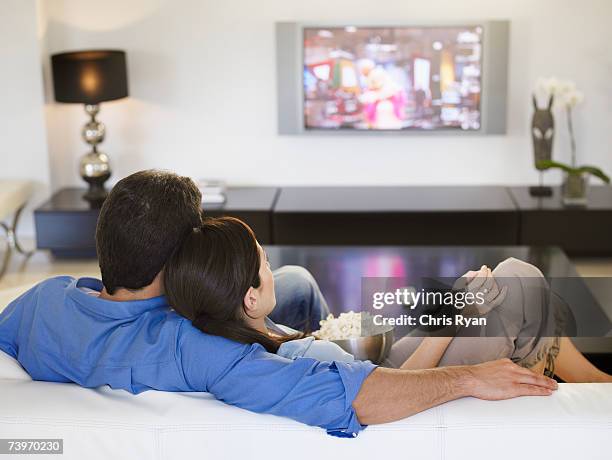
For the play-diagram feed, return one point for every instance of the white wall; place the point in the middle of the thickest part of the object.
(23, 145)
(202, 79)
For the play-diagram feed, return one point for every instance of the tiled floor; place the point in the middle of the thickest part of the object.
(41, 266)
(594, 267)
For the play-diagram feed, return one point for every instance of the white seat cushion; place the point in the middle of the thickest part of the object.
(576, 422)
(11, 369)
(14, 193)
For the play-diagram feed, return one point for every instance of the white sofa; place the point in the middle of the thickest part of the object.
(576, 422)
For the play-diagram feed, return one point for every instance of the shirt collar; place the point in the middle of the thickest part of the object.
(271, 325)
(110, 308)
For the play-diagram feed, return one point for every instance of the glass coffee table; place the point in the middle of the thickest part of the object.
(340, 269)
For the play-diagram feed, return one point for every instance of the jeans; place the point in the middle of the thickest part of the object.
(299, 301)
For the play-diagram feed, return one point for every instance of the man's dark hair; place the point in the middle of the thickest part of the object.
(143, 219)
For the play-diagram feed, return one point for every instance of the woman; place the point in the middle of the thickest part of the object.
(221, 280)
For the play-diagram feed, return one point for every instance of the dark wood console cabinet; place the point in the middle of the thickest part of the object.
(66, 223)
(358, 216)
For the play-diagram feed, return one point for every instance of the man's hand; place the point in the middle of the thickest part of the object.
(502, 379)
(391, 394)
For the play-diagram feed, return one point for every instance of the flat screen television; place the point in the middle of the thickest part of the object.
(402, 79)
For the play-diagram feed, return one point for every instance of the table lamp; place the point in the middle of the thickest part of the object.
(91, 77)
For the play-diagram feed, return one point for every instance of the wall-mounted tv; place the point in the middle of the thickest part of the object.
(401, 79)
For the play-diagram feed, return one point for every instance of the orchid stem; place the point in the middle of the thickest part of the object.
(570, 127)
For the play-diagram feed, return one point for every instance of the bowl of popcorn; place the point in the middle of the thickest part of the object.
(357, 334)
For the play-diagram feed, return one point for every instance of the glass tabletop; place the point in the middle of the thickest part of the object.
(339, 271)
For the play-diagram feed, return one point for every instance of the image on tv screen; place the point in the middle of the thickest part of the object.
(392, 78)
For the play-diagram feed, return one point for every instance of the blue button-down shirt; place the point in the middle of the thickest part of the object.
(59, 332)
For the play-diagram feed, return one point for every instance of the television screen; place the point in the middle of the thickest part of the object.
(392, 78)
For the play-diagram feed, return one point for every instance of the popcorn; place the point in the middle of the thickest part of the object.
(345, 326)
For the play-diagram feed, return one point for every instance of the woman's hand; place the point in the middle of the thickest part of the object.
(431, 349)
(482, 281)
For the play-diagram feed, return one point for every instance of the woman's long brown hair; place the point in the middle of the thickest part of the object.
(208, 276)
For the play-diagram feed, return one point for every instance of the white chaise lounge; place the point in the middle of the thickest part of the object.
(14, 194)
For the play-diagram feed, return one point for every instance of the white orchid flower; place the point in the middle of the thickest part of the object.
(547, 86)
(566, 87)
(564, 91)
(572, 98)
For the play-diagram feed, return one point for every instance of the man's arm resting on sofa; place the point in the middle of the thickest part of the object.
(340, 397)
(390, 394)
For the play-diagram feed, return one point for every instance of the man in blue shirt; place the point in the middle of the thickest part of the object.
(121, 332)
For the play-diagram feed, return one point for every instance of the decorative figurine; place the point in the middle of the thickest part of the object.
(542, 133)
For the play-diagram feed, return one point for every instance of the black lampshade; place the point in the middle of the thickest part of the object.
(89, 77)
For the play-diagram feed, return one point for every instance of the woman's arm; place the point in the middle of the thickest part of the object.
(428, 353)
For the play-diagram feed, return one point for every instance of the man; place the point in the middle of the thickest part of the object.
(121, 332)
